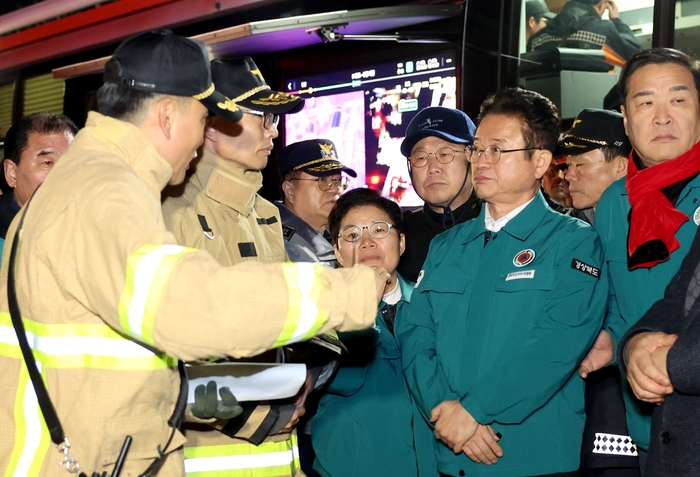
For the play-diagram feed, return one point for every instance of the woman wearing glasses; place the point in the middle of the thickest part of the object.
(366, 423)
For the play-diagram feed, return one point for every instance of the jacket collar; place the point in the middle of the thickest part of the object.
(320, 246)
(406, 288)
(520, 227)
(228, 185)
(134, 147)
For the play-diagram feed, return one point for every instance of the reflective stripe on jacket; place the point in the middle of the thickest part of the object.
(107, 294)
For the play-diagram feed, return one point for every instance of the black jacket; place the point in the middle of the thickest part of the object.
(675, 425)
(420, 228)
(579, 26)
(8, 210)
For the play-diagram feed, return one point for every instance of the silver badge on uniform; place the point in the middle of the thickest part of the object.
(696, 216)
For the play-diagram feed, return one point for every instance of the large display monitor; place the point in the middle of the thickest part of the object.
(365, 112)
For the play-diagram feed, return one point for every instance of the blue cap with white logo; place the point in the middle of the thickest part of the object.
(449, 124)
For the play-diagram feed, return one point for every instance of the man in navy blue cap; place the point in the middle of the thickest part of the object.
(312, 180)
(436, 146)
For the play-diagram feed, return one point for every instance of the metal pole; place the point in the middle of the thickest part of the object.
(664, 24)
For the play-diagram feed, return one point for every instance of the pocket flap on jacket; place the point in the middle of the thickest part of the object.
(446, 279)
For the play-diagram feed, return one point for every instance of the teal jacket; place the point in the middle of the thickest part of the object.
(633, 292)
(367, 424)
(501, 325)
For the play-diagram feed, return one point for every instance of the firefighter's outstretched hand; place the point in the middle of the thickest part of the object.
(207, 403)
(382, 278)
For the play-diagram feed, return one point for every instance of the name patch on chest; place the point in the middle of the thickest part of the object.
(585, 268)
(519, 275)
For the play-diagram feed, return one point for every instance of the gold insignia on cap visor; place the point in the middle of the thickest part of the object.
(205, 94)
(323, 159)
(571, 144)
(576, 121)
(594, 141)
(250, 93)
(228, 105)
(332, 166)
(275, 99)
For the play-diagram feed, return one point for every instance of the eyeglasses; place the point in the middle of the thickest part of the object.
(325, 183)
(377, 229)
(492, 154)
(444, 155)
(269, 119)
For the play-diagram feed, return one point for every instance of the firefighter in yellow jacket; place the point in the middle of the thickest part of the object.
(220, 210)
(108, 299)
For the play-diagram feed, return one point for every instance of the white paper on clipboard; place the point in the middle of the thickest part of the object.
(249, 381)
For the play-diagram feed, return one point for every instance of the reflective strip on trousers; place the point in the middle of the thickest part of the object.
(147, 272)
(304, 318)
(269, 459)
(62, 346)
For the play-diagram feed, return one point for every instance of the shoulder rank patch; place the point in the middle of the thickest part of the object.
(585, 268)
(287, 232)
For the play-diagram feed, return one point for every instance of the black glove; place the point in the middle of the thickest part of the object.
(207, 405)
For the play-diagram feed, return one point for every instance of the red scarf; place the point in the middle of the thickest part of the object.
(653, 217)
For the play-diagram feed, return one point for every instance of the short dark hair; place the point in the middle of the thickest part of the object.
(656, 56)
(541, 123)
(611, 152)
(17, 137)
(360, 198)
(120, 102)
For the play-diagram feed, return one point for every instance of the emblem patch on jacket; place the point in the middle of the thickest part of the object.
(524, 257)
(585, 268)
(287, 232)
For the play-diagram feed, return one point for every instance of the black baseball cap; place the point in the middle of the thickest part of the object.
(449, 124)
(241, 80)
(593, 129)
(317, 157)
(165, 63)
(537, 8)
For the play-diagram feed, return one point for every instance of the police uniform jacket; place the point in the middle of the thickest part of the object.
(303, 243)
(108, 300)
(500, 322)
(367, 423)
(241, 225)
(675, 435)
(633, 292)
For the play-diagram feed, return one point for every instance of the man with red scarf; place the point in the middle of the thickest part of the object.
(648, 221)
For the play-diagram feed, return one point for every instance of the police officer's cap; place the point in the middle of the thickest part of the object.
(164, 63)
(242, 81)
(317, 157)
(593, 129)
(449, 124)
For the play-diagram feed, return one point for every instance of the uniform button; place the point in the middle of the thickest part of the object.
(461, 473)
(666, 437)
